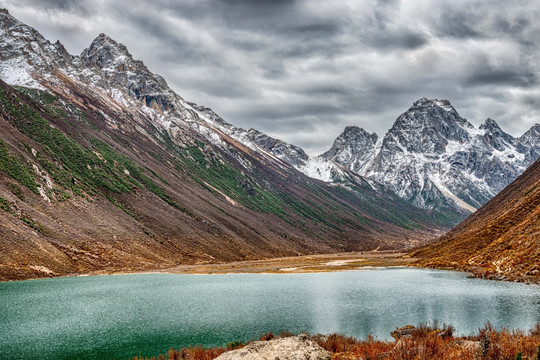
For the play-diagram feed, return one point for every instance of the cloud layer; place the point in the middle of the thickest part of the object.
(303, 70)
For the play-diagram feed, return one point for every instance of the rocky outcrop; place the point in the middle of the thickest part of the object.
(290, 348)
(287, 152)
(117, 67)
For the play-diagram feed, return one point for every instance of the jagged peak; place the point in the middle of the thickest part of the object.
(353, 129)
(535, 127)
(490, 124)
(353, 138)
(103, 36)
(427, 111)
(491, 127)
(58, 45)
(534, 131)
(441, 103)
(257, 133)
(421, 101)
(11, 21)
(106, 45)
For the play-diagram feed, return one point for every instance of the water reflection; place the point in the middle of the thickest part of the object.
(122, 316)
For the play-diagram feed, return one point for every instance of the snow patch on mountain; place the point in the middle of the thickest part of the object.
(320, 168)
(444, 190)
(14, 72)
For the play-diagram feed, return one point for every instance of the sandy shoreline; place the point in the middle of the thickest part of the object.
(286, 265)
(366, 260)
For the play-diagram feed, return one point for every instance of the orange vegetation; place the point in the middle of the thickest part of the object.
(499, 241)
(414, 343)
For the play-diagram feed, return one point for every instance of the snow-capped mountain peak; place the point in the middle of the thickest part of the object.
(354, 148)
(104, 52)
(25, 53)
(496, 137)
(425, 102)
(433, 157)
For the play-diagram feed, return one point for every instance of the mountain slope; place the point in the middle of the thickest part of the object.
(105, 168)
(436, 159)
(501, 240)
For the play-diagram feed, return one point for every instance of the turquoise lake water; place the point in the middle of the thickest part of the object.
(118, 317)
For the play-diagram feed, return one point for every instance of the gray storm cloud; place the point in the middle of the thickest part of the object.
(303, 70)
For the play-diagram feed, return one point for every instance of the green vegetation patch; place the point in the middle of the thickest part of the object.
(81, 169)
(123, 163)
(4, 204)
(16, 190)
(209, 170)
(72, 166)
(13, 166)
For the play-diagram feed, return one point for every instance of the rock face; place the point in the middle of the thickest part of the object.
(290, 348)
(434, 158)
(355, 148)
(287, 152)
(116, 67)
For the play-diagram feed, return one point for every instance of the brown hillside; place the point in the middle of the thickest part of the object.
(499, 241)
(85, 187)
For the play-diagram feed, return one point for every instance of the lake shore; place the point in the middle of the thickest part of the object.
(289, 265)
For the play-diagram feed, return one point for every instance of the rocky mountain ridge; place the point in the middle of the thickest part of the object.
(108, 66)
(434, 158)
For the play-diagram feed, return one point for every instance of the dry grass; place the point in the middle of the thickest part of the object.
(499, 241)
(421, 343)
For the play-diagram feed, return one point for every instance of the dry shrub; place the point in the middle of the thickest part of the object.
(194, 353)
(505, 344)
(266, 337)
(424, 330)
(372, 349)
(424, 343)
(173, 354)
(336, 343)
(535, 331)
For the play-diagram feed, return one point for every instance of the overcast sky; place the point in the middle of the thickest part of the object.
(303, 70)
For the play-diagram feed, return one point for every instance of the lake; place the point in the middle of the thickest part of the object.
(106, 317)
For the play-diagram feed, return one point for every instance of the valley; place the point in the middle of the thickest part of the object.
(105, 168)
(217, 232)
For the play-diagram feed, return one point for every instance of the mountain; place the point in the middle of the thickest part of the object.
(499, 241)
(103, 167)
(435, 159)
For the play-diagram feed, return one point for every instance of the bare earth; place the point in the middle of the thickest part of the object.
(298, 264)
